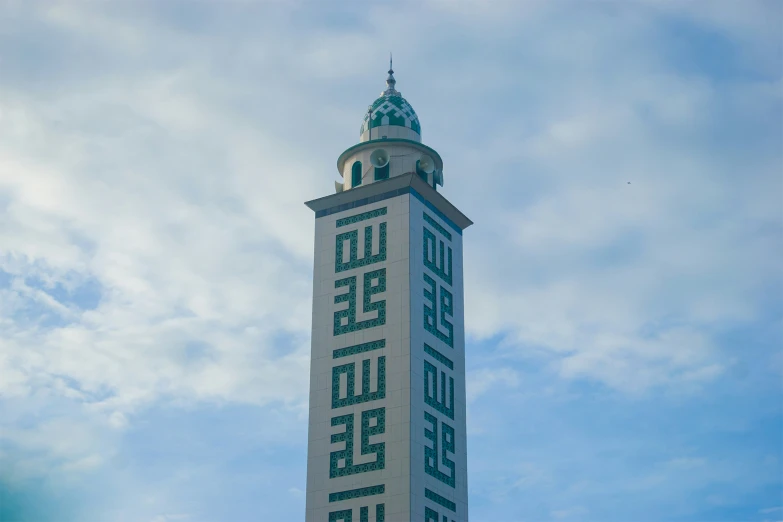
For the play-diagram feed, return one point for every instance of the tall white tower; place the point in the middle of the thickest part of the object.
(387, 438)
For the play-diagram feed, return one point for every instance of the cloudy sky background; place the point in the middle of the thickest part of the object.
(624, 341)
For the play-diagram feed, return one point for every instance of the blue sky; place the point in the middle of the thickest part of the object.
(624, 340)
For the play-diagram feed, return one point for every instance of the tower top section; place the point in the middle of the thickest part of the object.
(390, 115)
(389, 145)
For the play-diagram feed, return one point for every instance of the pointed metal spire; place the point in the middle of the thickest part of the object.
(390, 81)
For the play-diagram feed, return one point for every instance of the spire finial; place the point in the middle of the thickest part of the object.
(390, 81)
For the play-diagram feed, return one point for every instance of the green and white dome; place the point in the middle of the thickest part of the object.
(389, 112)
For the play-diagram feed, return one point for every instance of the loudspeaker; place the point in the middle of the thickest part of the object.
(426, 164)
(379, 158)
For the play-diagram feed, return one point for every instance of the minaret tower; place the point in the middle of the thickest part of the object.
(387, 437)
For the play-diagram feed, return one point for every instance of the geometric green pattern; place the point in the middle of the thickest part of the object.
(448, 504)
(379, 416)
(442, 272)
(430, 515)
(357, 493)
(361, 348)
(349, 314)
(431, 454)
(432, 400)
(391, 109)
(346, 515)
(432, 352)
(380, 513)
(446, 308)
(372, 422)
(437, 226)
(350, 220)
(346, 455)
(368, 259)
(430, 313)
(366, 396)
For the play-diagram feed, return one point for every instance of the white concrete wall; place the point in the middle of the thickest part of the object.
(390, 131)
(396, 475)
(402, 159)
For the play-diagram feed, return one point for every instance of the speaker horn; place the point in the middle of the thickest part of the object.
(426, 164)
(338, 187)
(379, 158)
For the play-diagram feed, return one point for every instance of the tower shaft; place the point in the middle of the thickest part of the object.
(387, 434)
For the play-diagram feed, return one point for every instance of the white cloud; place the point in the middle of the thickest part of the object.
(626, 284)
(54, 446)
(190, 218)
(481, 381)
(118, 420)
(169, 164)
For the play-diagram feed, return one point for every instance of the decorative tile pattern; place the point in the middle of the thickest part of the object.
(373, 421)
(366, 396)
(431, 455)
(435, 354)
(380, 513)
(446, 308)
(359, 348)
(353, 238)
(350, 220)
(432, 400)
(391, 110)
(344, 515)
(437, 226)
(383, 197)
(346, 455)
(430, 312)
(435, 211)
(443, 501)
(443, 271)
(380, 489)
(379, 427)
(345, 320)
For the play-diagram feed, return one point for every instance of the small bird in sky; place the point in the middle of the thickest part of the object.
(629, 182)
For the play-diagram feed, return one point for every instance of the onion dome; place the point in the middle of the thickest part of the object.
(391, 109)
